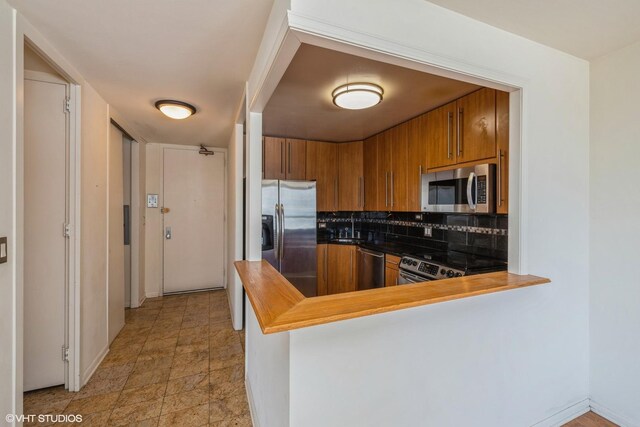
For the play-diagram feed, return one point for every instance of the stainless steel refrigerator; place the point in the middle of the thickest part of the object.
(289, 231)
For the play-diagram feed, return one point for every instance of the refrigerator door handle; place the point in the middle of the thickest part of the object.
(276, 233)
(282, 231)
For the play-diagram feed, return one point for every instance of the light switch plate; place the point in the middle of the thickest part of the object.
(3, 250)
(152, 200)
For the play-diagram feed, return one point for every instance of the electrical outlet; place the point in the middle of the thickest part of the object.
(322, 225)
(428, 232)
(418, 217)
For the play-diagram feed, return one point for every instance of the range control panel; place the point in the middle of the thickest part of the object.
(428, 269)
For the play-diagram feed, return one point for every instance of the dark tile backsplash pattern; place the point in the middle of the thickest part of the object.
(475, 234)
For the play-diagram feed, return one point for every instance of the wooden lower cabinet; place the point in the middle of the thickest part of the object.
(391, 270)
(321, 256)
(341, 269)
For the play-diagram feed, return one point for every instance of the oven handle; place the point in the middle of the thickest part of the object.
(470, 201)
(412, 278)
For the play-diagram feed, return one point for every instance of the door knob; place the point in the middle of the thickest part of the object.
(167, 233)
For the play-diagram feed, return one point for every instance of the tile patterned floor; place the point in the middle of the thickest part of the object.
(177, 362)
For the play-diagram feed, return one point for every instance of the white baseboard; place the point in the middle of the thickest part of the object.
(152, 295)
(564, 416)
(611, 416)
(252, 408)
(91, 369)
(144, 298)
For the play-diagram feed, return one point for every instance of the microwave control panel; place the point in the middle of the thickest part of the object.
(482, 190)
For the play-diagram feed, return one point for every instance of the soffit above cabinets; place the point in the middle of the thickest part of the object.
(302, 107)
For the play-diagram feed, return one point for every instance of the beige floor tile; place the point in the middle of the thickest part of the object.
(195, 416)
(46, 408)
(145, 393)
(115, 371)
(229, 408)
(147, 377)
(93, 404)
(161, 333)
(186, 370)
(224, 390)
(241, 421)
(183, 384)
(229, 374)
(180, 401)
(202, 346)
(220, 363)
(97, 419)
(132, 414)
(157, 353)
(224, 352)
(160, 344)
(147, 364)
(198, 331)
(46, 395)
(98, 385)
(190, 358)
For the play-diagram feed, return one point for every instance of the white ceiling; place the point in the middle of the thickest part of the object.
(134, 52)
(302, 107)
(584, 28)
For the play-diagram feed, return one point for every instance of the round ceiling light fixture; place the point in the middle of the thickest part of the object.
(356, 96)
(175, 109)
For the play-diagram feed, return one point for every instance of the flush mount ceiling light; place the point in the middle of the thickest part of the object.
(175, 109)
(356, 96)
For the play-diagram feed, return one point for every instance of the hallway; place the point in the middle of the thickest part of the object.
(177, 361)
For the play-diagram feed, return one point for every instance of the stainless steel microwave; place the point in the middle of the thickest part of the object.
(463, 190)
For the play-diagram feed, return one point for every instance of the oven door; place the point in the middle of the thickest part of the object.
(405, 278)
(463, 190)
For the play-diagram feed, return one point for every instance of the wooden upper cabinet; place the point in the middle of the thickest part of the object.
(350, 178)
(441, 136)
(383, 150)
(295, 159)
(399, 173)
(273, 153)
(502, 156)
(417, 162)
(370, 173)
(341, 269)
(322, 166)
(476, 126)
(283, 158)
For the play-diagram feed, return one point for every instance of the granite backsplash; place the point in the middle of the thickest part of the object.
(475, 234)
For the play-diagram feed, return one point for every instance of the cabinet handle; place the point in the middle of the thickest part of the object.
(281, 156)
(289, 157)
(500, 156)
(386, 189)
(460, 118)
(392, 185)
(449, 117)
(351, 267)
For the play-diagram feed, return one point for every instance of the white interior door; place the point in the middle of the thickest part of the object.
(194, 194)
(45, 247)
(116, 234)
(126, 195)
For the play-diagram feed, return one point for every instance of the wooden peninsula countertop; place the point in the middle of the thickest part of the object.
(279, 306)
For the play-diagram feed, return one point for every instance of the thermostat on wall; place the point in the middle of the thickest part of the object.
(152, 200)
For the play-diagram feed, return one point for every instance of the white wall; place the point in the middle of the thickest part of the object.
(154, 233)
(8, 402)
(234, 223)
(615, 233)
(520, 357)
(93, 243)
(267, 368)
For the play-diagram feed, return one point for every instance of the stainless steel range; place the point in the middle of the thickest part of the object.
(444, 265)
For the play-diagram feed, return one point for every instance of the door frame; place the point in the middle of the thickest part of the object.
(27, 34)
(224, 189)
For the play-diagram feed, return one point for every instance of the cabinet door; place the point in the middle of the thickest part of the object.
(322, 166)
(441, 136)
(399, 173)
(295, 159)
(416, 162)
(476, 126)
(322, 269)
(341, 276)
(502, 160)
(370, 173)
(391, 273)
(384, 170)
(350, 179)
(273, 153)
